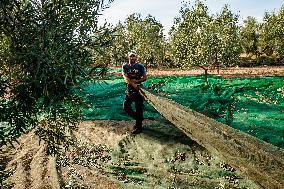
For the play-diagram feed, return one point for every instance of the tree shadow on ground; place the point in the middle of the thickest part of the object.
(167, 132)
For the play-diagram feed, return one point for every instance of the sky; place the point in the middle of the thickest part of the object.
(166, 10)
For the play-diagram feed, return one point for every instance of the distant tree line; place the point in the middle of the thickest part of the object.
(198, 39)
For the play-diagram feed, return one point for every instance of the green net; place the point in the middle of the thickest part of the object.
(105, 101)
(253, 105)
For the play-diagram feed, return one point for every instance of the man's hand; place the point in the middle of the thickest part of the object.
(127, 80)
(136, 86)
(135, 81)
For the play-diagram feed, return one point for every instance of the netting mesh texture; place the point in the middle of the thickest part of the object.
(253, 105)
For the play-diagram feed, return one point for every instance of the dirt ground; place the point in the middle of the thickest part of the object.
(228, 72)
(107, 156)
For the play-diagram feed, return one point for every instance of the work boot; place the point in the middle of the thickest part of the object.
(137, 128)
(136, 131)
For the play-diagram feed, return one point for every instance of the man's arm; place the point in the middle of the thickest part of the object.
(127, 80)
(130, 82)
(144, 78)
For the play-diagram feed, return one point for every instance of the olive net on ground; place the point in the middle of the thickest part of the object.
(253, 105)
(105, 101)
(242, 151)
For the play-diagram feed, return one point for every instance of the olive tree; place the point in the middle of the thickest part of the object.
(273, 30)
(202, 40)
(47, 55)
(146, 36)
(114, 53)
(143, 35)
(227, 42)
(250, 36)
(120, 44)
(189, 37)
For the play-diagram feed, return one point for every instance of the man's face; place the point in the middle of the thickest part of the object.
(132, 58)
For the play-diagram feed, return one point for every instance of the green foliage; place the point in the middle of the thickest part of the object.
(250, 36)
(115, 52)
(273, 29)
(201, 40)
(146, 36)
(188, 36)
(143, 35)
(228, 47)
(46, 53)
(120, 46)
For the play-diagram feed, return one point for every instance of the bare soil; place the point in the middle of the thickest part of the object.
(228, 72)
(107, 156)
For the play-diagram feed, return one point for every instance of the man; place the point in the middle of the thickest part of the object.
(134, 74)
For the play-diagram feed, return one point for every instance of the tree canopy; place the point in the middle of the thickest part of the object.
(202, 40)
(273, 31)
(45, 53)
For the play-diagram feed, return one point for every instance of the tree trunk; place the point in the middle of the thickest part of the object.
(205, 74)
(217, 64)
